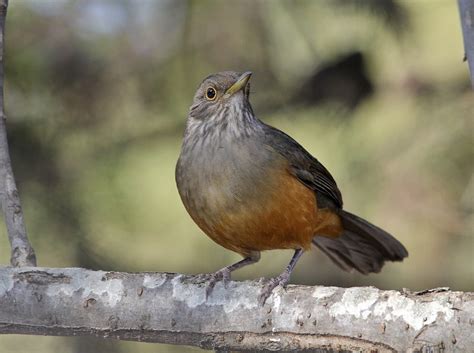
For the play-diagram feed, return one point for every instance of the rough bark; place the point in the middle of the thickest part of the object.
(172, 308)
(466, 11)
(22, 253)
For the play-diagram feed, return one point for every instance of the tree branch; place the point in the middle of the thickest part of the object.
(171, 308)
(466, 11)
(22, 253)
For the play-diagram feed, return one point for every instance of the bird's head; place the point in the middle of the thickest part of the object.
(221, 93)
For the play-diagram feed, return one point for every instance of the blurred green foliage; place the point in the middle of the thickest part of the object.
(97, 94)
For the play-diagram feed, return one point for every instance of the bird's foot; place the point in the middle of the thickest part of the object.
(212, 279)
(272, 283)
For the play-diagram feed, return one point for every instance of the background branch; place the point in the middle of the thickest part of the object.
(171, 308)
(22, 253)
(466, 10)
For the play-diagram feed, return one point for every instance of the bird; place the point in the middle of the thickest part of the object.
(250, 187)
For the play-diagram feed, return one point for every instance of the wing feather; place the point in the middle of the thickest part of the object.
(305, 167)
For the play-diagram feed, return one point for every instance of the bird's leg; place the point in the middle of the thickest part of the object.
(281, 279)
(224, 273)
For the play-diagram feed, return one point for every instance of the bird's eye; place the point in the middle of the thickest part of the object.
(211, 94)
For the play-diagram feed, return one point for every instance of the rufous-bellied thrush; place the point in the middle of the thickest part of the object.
(250, 187)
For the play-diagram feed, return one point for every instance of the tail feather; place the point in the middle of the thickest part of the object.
(362, 246)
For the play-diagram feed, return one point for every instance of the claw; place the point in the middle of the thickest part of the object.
(221, 275)
(224, 273)
(281, 280)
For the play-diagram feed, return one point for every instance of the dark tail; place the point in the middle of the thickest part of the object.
(362, 246)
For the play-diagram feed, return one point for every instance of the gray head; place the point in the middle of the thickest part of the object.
(220, 95)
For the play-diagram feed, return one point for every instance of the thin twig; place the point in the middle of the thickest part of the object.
(22, 253)
(466, 11)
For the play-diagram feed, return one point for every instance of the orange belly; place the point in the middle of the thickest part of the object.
(286, 217)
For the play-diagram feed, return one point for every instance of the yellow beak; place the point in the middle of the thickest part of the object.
(239, 84)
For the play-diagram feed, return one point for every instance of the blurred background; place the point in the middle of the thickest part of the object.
(97, 94)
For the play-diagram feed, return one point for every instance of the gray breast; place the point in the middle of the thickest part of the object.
(226, 175)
